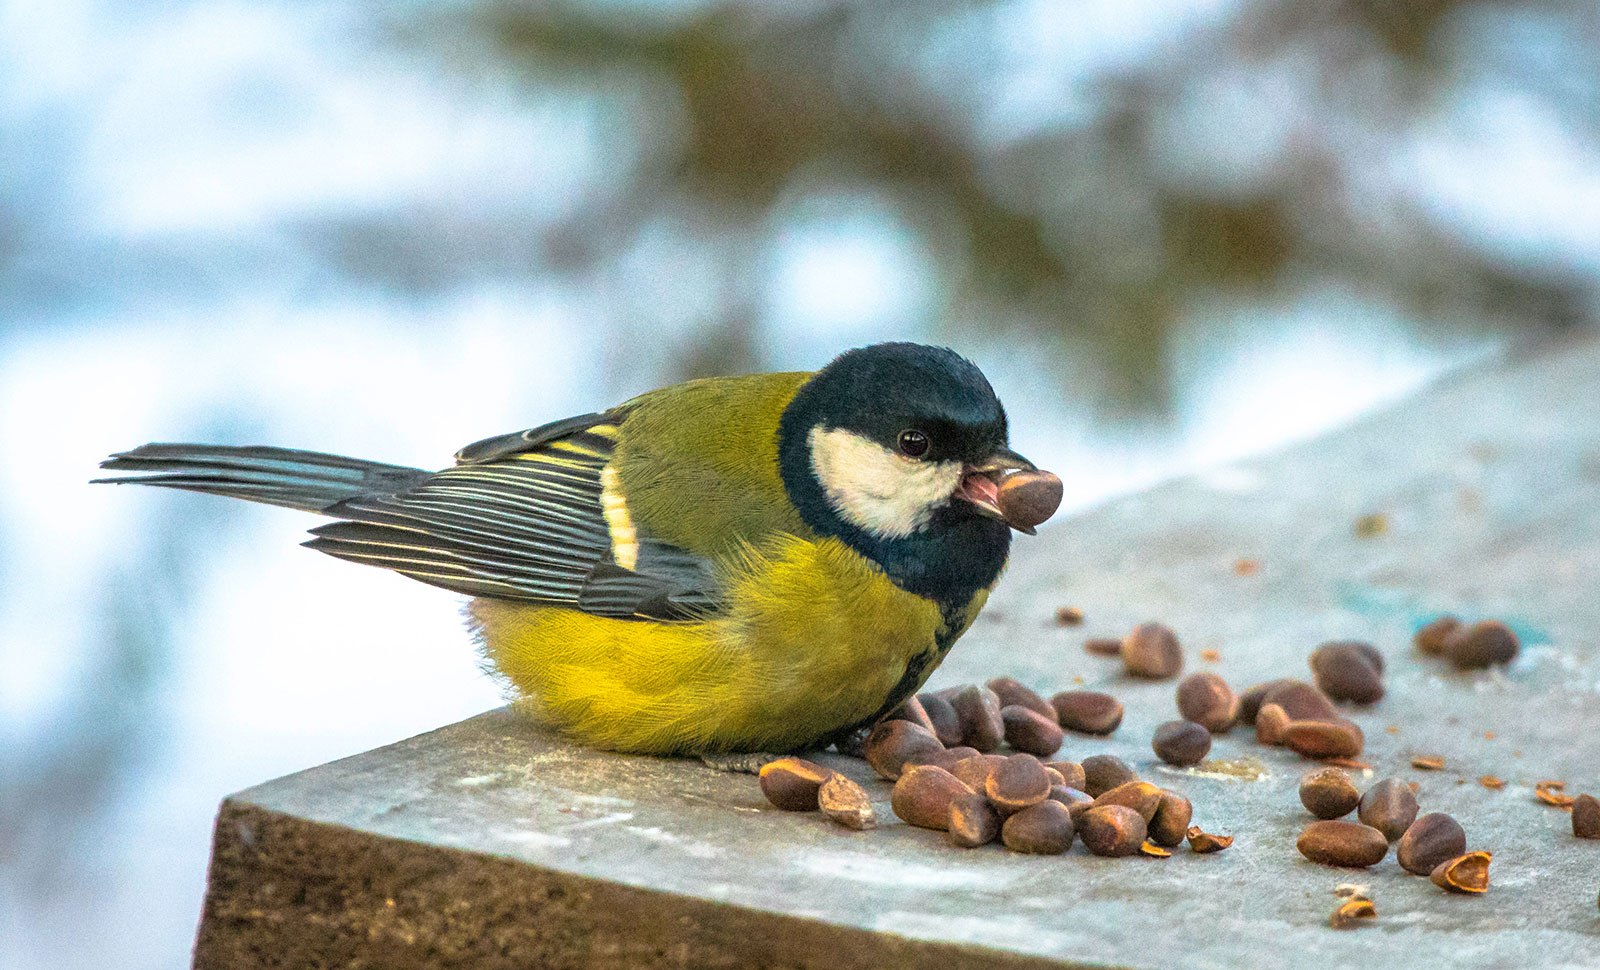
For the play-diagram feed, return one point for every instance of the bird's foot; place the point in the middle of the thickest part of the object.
(749, 763)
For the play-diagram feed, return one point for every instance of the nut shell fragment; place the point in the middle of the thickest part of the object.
(1352, 912)
(1464, 874)
(1204, 842)
(847, 803)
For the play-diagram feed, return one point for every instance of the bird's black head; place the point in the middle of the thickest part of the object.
(896, 449)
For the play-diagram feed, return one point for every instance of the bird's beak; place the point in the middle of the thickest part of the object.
(980, 484)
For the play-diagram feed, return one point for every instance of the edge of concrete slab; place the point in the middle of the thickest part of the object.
(288, 892)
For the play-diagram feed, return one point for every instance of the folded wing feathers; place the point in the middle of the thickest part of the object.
(521, 525)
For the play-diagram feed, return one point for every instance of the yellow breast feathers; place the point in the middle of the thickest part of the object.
(814, 638)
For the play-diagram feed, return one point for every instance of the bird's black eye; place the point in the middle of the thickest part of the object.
(913, 443)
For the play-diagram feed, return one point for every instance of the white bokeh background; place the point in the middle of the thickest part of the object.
(252, 222)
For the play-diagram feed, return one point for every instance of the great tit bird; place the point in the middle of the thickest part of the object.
(736, 564)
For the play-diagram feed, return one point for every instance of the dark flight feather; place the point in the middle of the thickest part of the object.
(518, 518)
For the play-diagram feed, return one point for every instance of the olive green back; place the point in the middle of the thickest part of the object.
(698, 462)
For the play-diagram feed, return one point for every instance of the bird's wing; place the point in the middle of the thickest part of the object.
(531, 516)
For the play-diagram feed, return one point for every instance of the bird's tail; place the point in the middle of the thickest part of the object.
(306, 480)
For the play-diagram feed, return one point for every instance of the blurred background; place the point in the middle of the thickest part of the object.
(1173, 232)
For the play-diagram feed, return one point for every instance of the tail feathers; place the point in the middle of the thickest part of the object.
(305, 480)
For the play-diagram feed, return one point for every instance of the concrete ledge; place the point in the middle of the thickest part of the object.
(491, 843)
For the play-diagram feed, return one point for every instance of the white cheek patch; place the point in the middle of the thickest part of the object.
(876, 489)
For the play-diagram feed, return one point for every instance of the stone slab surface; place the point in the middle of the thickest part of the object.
(491, 843)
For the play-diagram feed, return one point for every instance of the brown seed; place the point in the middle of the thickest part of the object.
(1042, 829)
(1152, 651)
(1111, 830)
(1586, 817)
(946, 723)
(911, 709)
(1141, 796)
(1171, 821)
(1206, 699)
(1348, 670)
(1302, 702)
(1181, 743)
(1069, 796)
(1271, 723)
(1339, 843)
(1087, 711)
(1056, 777)
(1103, 772)
(1490, 781)
(1427, 762)
(1205, 842)
(1104, 646)
(1430, 840)
(1027, 498)
(1482, 645)
(1071, 773)
(1323, 739)
(792, 783)
(1016, 783)
(1068, 616)
(1390, 806)
(1464, 874)
(1328, 793)
(1352, 912)
(975, 771)
(1029, 731)
(923, 794)
(1154, 851)
(972, 821)
(847, 803)
(1013, 692)
(946, 759)
(1251, 700)
(1433, 637)
(979, 711)
(891, 743)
